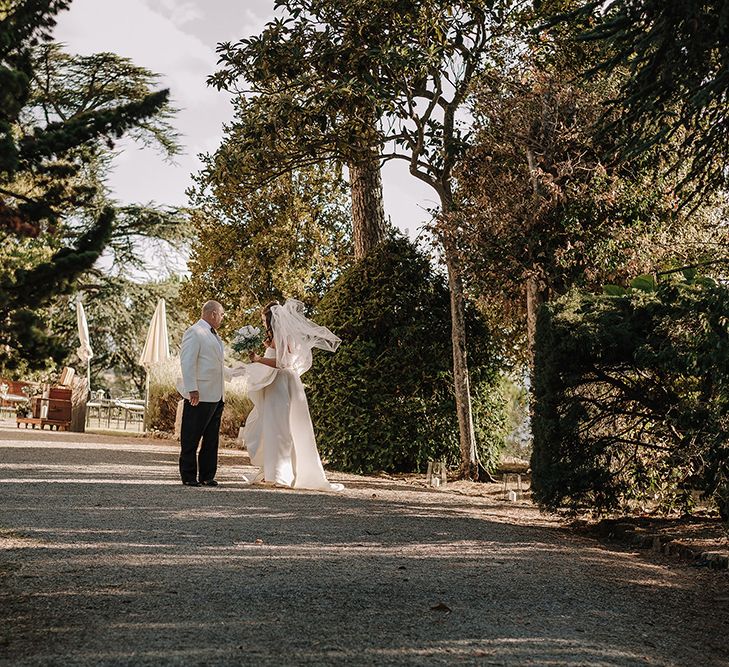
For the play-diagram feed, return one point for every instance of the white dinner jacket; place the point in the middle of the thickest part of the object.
(201, 359)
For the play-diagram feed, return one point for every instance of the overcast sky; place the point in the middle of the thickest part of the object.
(177, 39)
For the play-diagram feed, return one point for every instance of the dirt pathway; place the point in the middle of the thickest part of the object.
(105, 559)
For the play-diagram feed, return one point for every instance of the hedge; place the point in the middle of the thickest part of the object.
(631, 396)
(384, 400)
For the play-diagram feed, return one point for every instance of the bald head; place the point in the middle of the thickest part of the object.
(212, 313)
(210, 306)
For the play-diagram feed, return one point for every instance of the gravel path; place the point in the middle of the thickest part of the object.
(105, 559)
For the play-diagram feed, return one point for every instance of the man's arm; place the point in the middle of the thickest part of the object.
(189, 351)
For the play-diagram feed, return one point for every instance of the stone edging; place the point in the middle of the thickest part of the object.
(658, 543)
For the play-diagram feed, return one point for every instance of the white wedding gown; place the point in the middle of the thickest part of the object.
(278, 433)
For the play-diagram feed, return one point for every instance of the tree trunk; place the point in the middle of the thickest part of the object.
(462, 387)
(368, 212)
(536, 291)
(79, 397)
(536, 295)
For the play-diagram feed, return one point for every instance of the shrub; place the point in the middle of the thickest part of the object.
(237, 407)
(632, 397)
(163, 399)
(384, 400)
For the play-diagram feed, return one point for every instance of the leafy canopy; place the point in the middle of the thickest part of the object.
(631, 397)
(675, 96)
(51, 184)
(542, 199)
(289, 239)
(330, 79)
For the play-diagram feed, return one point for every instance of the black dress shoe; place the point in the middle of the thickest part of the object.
(192, 483)
(209, 482)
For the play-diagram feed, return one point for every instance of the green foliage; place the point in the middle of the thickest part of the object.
(544, 203)
(25, 293)
(632, 398)
(70, 86)
(236, 410)
(329, 80)
(53, 130)
(677, 84)
(288, 239)
(384, 400)
(118, 311)
(516, 397)
(164, 397)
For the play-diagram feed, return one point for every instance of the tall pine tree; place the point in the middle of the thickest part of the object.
(41, 161)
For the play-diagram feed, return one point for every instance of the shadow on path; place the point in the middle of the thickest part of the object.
(108, 560)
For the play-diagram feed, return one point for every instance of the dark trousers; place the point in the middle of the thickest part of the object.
(200, 421)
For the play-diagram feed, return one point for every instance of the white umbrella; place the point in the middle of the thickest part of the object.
(156, 347)
(84, 351)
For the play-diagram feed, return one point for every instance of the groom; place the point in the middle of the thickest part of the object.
(203, 375)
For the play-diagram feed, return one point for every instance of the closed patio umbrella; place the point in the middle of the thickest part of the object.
(156, 347)
(84, 350)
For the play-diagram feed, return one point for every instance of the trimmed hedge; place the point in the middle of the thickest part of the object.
(384, 400)
(632, 398)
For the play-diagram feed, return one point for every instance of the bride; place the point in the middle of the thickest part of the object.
(278, 433)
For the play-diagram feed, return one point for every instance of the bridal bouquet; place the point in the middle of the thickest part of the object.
(246, 339)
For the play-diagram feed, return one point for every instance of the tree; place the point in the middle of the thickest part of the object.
(41, 184)
(409, 65)
(384, 401)
(546, 211)
(676, 93)
(118, 311)
(302, 103)
(631, 397)
(119, 300)
(65, 87)
(288, 239)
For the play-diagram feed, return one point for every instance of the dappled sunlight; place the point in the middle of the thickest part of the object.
(109, 541)
(221, 513)
(90, 447)
(536, 650)
(88, 480)
(516, 650)
(75, 593)
(89, 473)
(85, 446)
(216, 533)
(231, 556)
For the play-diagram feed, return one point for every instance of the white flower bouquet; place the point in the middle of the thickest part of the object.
(247, 338)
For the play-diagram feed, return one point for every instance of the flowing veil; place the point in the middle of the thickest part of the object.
(295, 336)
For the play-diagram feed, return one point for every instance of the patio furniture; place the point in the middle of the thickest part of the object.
(52, 408)
(95, 403)
(13, 394)
(133, 411)
(116, 413)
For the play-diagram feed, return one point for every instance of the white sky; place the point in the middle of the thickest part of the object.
(177, 39)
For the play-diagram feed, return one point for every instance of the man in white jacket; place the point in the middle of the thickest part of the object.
(203, 378)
